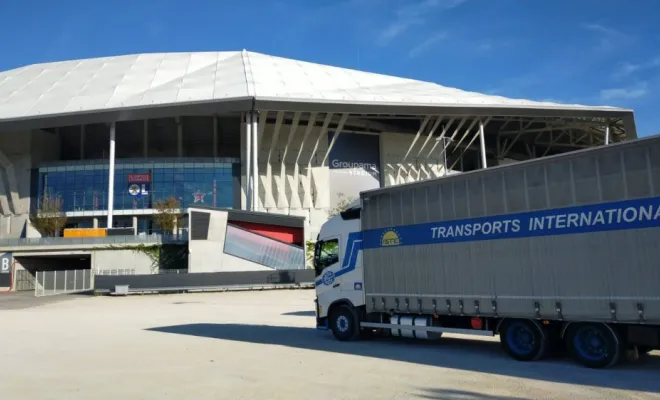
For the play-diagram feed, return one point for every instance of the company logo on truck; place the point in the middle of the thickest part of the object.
(328, 278)
(390, 238)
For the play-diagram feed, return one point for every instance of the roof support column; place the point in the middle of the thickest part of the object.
(82, 142)
(215, 136)
(482, 142)
(445, 171)
(179, 137)
(145, 138)
(282, 200)
(255, 161)
(111, 175)
(248, 160)
(607, 134)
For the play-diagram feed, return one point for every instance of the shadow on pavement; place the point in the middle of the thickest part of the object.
(449, 394)
(455, 353)
(301, 313)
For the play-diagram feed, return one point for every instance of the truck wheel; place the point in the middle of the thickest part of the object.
(594, 345)
(344, 323)
(524, 340)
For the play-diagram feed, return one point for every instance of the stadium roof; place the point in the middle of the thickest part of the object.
(245, 79)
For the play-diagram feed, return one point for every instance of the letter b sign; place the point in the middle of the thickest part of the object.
(5, 263)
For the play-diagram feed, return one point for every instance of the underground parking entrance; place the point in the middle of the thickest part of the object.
(52, 273)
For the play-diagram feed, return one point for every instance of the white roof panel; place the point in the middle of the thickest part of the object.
(140, 80)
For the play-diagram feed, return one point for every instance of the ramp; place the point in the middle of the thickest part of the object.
(263, 250)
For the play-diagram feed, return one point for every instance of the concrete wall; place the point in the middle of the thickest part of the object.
(405, 160)
(296, 181)
(208, 255)
(19, 153)
(121, 259)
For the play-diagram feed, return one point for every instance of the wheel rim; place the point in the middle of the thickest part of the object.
(342, 323)
(520, 338)
(591, 344)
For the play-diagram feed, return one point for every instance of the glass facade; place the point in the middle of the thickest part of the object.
(83, 186)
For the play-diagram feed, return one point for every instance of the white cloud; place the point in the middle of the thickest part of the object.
(397, 28)
(609, 39)
(413, 14)
(427, 44)
(627, 68)
(625, 93)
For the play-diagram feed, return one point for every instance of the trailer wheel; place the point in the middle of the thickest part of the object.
(344, 323)
(594, 345)
(524, 340)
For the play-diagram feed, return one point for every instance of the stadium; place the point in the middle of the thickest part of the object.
(262, 136)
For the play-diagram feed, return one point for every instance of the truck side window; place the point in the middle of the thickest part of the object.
(326, 253)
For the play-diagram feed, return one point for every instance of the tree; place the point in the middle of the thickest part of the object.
(49, 219)
(167, 214)
(342, 204)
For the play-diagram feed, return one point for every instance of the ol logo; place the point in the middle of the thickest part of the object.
(390, 238)
(328, 278)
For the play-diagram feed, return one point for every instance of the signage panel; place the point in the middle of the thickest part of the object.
(354, 164)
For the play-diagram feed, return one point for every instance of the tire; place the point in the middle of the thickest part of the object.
(344, 323)
(524, 340)
(643, 350)
(594, 345)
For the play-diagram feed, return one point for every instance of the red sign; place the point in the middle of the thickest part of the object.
(139, 178)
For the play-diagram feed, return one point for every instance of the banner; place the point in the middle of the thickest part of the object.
(5, 263)
(620, 215)
(354, 166)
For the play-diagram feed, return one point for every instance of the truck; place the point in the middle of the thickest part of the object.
(552, 254)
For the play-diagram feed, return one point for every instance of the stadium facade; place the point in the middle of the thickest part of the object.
(248, 131)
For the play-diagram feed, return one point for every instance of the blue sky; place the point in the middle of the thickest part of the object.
(599, 52)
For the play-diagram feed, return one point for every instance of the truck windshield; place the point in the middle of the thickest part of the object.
(326, 253)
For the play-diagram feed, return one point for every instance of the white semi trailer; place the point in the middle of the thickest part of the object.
(562, 250)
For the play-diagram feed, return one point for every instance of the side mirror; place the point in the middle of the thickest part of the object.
(315, 261)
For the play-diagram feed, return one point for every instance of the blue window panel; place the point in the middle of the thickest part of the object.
(85, 187)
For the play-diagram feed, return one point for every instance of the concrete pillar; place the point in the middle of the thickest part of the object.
(215, 136)
(607, 134)
(145, 139)
(135, 225)
(95, 222)
(482, 143)
(247, 161)
(254, 189)
(111, 175)
(82, 142)
(179, 137)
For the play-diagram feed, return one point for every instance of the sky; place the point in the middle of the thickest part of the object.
(596, 52)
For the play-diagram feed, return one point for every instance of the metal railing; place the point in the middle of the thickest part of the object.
(49, 283)
(131, 271)
(62, 241)
(115, 272)
(172, 271)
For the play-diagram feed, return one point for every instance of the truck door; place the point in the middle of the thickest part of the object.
(327, 264)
